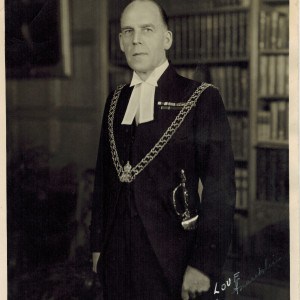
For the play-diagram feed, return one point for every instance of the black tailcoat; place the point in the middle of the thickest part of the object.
(201, 147)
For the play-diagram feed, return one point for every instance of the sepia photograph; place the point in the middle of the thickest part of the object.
(148, 149)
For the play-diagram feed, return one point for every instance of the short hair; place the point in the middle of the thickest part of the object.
(162, 11)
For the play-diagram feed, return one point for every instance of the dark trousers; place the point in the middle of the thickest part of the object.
(129, 265)
(129, 268)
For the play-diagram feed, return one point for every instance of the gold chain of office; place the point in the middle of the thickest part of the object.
(129, 173)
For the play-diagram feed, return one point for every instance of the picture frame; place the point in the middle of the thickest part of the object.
(37, 39)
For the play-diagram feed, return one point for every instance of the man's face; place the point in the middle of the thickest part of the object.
(144, 38)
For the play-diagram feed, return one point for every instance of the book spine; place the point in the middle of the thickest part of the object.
(236, 87)
(197, 30)
(274, 29)
(242, 34)
(191, 37)
(286, 77)
(244, 88)
(209, 36)
(264, 125)
(280, 74)
(260, 124)
(229, 88)
(262, 30)
(271, 75)
(274, 120)
(222, 83)
(221, 35)
(245, 137)
(203, 37)
(268, 31)
(228, 37)
(282, 39)
(215, 36)
(263, 75)
(234, 46)
(281, 120)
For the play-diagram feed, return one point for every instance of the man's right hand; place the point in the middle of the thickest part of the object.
(96, 256)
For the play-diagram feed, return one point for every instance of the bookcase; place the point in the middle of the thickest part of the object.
(240, 46)
(269, 192)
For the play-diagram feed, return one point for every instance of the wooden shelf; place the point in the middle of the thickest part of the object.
(194, 62)
(212, 61)
(273, 144)
(273, 97)
(274, 51)
(215, 10)
(276, 2)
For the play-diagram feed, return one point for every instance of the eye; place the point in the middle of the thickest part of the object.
(147, 29)
(127, 31)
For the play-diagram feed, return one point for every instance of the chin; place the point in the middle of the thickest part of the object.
(137, 67)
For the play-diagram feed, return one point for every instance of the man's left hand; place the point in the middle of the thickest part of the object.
(194, 283)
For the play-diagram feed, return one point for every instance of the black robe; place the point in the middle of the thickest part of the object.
(202, 148)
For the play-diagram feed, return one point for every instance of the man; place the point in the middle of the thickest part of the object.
(160, 135)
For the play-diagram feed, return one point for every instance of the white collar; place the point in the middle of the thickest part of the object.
(153, 77)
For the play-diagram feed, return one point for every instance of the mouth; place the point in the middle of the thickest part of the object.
(139, 54)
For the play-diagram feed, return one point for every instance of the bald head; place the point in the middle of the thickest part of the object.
(162, 12)
(144, 36)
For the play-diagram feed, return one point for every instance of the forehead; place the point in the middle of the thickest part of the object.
(141, 12)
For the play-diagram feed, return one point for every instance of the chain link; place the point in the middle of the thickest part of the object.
(134, 171)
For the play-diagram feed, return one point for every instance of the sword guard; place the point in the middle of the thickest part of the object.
(190, 224)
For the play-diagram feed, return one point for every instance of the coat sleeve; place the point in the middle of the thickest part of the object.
(96, 227)
(215, 166)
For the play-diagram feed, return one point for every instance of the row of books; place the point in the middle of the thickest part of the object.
(273, 122)
(241, 180)
(197, 74)
(199, 37)
(239, 136)
(233, 82)
(274, 30)
(209, 36)
(273, 175)
(218, 3)
(274, 75)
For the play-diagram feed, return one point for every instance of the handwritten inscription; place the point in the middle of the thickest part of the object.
(261, 271)
(234, 281)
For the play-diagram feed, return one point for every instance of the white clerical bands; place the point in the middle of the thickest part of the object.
(141, 102)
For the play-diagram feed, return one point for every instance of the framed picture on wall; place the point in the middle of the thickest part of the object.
(37, 38)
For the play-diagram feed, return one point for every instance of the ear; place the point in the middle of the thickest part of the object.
(121, 42)
(168, 40)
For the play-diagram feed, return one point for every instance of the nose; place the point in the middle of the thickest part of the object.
(136, 38)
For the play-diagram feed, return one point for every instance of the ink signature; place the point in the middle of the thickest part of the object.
(236, 278)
